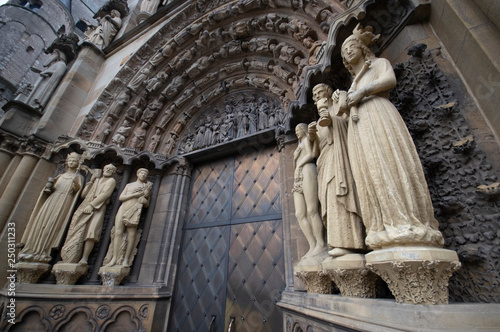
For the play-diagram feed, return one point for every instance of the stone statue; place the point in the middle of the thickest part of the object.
(137, 141)
(105, 130)
(48, 80)
(305, 196)
(168, 114)
(165, 52)
(122, 133)
(134, 197)
(155, 140)
(137, 81)
(122, 100)
(393, 194)
(86, 225)
(103, 34)
(170, 144)
(339, 209)
(51, 213)
(149, 6)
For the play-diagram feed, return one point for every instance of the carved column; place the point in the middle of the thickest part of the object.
(182, 173)
(9, 169)
(416, 275)
(16, 185)
(5, 158)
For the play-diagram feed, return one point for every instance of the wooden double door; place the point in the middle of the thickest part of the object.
(231, 266)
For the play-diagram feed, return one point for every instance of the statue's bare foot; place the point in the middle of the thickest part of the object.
(125, 264)
(336, 252)
(111, 263)
(82, 262)
(308, 254)
(318, 250)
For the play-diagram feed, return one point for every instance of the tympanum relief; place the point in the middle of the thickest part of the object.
(232, 118)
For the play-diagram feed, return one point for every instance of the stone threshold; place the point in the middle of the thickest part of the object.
(87, 292)
(386, 315)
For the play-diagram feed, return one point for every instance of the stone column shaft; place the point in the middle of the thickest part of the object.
(8, 171)
(5, 158)
(16, 185)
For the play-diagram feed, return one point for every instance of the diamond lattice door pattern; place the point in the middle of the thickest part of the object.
(232, 264)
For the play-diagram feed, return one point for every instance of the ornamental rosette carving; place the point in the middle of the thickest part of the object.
(57, 311)
(103, 311)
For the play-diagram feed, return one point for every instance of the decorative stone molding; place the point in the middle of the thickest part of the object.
(30, 273)
(67, 43)
(8, 142)
(415, 275)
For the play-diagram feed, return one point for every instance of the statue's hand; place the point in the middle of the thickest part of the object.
(355, 117)
(353, 98)
(312, 127)
(88, 209)
(142, 200)
(335, 96)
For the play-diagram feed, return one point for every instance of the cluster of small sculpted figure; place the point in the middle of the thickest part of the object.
(370, 182)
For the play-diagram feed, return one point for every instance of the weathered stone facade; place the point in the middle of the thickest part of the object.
(206, 95)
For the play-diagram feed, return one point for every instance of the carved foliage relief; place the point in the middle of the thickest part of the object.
(462, 183)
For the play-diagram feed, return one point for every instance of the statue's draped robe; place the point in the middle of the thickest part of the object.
(87, 226)
(395, 203)
(45, 85)
(49, 219)
(339, 209)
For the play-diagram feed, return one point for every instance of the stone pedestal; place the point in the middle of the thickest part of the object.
(30, 273)
(415, 275)
(68, 273)
(113, 276)
(351, 276)
(19, 118)
(314, 279)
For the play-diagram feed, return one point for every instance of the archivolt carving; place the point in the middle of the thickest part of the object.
(206, 48)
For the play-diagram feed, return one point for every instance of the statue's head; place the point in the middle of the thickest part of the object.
(109, 169)
(321, 91)
(115, 13)
(361, 39)
(73, 160)
(142, 174)
(301, 130)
